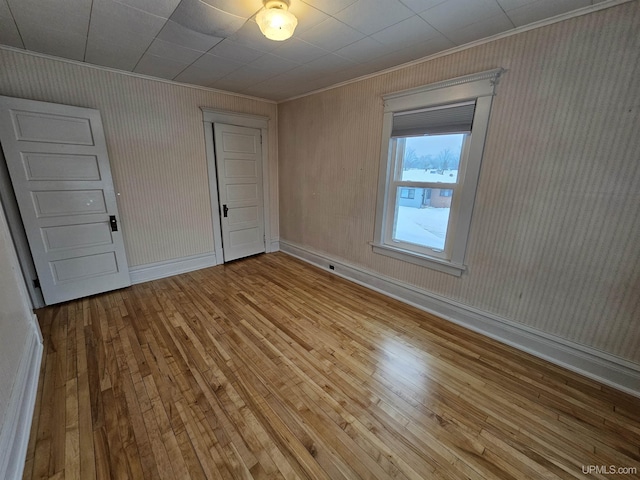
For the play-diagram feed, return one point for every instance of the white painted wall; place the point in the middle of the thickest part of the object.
(16, 326)
(15, 314)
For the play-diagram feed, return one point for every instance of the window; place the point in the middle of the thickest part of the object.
(408, 193)
(433, 139)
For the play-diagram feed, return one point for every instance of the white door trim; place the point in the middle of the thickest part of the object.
(211, 116)
(14, 221)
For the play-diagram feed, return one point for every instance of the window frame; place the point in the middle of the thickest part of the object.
(479, 87)
(397, 147)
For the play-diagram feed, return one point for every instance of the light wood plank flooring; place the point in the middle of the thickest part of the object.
(270, 368)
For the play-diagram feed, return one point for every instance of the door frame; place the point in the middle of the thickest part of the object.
(18, 235)
(211, 116)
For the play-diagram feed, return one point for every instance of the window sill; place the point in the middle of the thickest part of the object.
(443, 266)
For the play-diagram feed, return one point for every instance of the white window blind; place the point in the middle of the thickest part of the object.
(452, 118)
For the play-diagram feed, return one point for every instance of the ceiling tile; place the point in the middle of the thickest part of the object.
(511, 4)
(174, 33)
(532, 12)
(456, 14)
(405, 33)
(330, 7)
(240, 8)
(482, 29)
(329, 64)
(428, 47)
(120, 51)
(413, 52)
(161, 8)
(266, 91)
(230, 49)
(173, 51)
(251, 36)
(355, 72)
(419, 6)
(196, 76)
(47, 40)
(9, 34)
(331, 35)
(302, 75)
(241, 78)
(218, 66)
(283, 85)
(64, 15)
(363, 50)
(273, 64)
(299, 51)
(159, 66)
(370, 16)
(113, 20)
(308, 16)
(104, 52)
(130, 41)
(203, 18)
(229, 85)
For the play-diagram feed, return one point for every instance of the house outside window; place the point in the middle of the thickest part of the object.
(432, 145)
(407, 193)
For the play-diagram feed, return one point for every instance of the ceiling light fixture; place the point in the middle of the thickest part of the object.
(275, 20)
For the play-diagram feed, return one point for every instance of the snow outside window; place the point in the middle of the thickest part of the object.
(432, 145)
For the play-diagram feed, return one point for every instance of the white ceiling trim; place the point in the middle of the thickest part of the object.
(131, 74)
(532, 26)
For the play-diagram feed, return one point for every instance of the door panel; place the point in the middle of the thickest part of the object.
(76, 236)
(30, 126)
(68, 203)
(243, 215)
(57, 160)
(78, 268)
(40, 166)
(240, 168)
(239, 171)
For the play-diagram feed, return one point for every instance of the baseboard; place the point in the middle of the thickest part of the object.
(16, 426)
(275, 246)
(154, 271)
(595, 364)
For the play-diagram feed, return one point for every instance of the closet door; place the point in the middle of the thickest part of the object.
(59, 168)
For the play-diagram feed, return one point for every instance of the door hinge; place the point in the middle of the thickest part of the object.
(36, 283)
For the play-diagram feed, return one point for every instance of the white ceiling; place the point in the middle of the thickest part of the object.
(216, 43)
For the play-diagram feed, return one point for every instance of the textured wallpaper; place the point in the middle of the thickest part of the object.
(555, 235)
(15, 316)
(156, 146)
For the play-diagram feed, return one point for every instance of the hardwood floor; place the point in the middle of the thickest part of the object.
(270, 368)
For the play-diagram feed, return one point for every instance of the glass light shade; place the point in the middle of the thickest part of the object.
(276, 23)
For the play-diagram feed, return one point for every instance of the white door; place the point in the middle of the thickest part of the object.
(59, 168)
(239, 171)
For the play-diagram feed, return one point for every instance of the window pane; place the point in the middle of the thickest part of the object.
(423, 219)
(431, 158)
